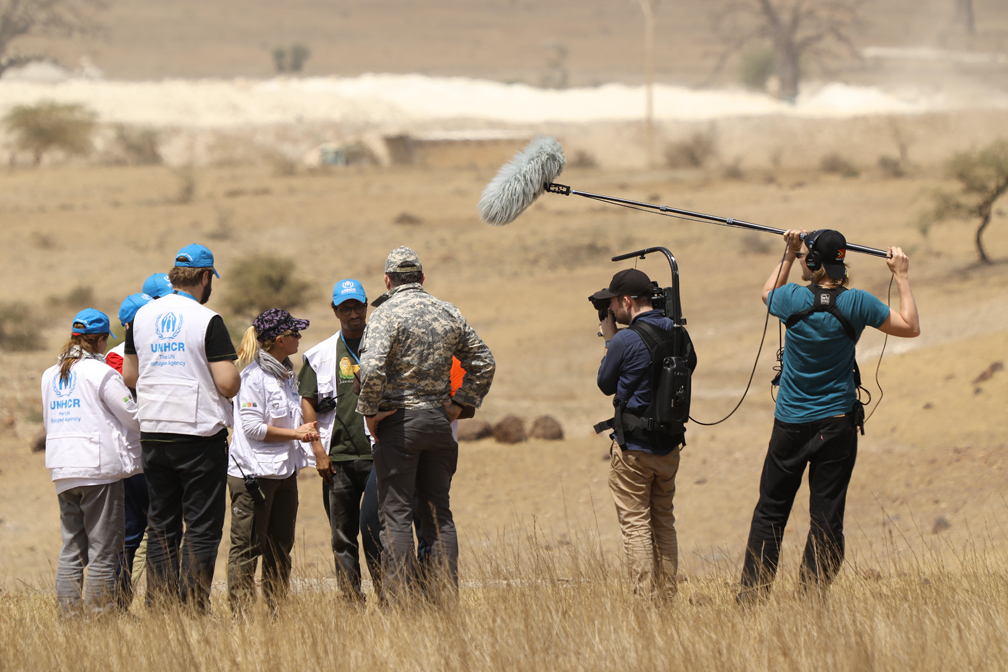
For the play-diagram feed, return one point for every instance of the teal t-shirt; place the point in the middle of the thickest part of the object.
(818, 377)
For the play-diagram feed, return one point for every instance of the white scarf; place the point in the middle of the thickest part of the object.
(282, 371)
(77, 352)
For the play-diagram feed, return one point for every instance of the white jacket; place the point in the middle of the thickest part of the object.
(263, 400)
(92, 433)
(176, 393)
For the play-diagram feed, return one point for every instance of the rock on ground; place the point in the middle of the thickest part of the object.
(510, 429)
(474, 430)
(547, 428)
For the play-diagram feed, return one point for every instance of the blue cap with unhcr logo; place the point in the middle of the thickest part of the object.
(130, 305)
(159, 285)
(195, 256)
(344, 290)
(91, 321)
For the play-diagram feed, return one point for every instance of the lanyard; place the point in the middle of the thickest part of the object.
(185, 294)
(356, 359)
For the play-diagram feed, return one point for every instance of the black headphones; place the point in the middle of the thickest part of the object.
(813, 259)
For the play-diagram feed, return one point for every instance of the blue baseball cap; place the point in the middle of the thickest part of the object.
(130, 305)
(91, 321)
(159, 285)
(344, 290)
(195, 256)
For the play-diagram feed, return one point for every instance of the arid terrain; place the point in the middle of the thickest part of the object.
(935, 447)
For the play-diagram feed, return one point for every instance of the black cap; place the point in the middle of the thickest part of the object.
(831, 246)
(628, 282)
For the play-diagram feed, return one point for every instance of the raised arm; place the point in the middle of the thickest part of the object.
(906, 322)
(779, 277)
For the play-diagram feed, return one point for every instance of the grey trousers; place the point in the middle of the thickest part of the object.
(416, 455)
(93, 522)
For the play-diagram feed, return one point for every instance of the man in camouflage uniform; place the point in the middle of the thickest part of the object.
(405, 398)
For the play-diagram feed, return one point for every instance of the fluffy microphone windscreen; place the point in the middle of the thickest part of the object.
(520, 181)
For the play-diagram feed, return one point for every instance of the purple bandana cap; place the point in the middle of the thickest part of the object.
(276, 321)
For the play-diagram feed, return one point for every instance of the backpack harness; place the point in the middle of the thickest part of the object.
(668, 409)
(824, 301)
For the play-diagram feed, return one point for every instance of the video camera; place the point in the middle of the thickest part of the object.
(659, 301)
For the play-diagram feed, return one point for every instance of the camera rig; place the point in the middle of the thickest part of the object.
(659, 295)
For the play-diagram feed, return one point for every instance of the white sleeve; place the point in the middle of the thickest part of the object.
(117, 398)
(251, 402)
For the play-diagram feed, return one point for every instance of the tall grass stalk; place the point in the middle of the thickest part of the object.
(531, 603)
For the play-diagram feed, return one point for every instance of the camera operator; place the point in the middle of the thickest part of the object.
(817, 412)
(643, 463)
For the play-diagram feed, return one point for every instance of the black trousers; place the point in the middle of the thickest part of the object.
(416, 457)
(370, 527)
(186, 483)
(342, 501)
(136, 503)
(829, 448)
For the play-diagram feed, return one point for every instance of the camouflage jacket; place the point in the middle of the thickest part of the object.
(406, 354)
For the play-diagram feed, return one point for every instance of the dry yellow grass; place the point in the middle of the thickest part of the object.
(530, 605)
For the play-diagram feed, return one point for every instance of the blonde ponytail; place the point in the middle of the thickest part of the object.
(249, 347)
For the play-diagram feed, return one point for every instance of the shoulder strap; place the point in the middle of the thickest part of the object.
(824, 301)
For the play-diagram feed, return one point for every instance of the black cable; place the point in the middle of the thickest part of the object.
(879, 365)
(766, 323)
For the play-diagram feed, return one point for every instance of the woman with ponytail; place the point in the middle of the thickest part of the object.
(268, 448)
(92, 444)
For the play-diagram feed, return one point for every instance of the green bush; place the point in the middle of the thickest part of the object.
(40, 128)
(838, 165)
(693, 152)
(19, 330)
(262, 281)
(140, 145)
(755, 67)
(291, 59)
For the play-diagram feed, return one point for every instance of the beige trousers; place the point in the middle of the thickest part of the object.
(642, 487)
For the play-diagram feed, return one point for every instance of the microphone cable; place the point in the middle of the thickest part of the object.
(766, 323)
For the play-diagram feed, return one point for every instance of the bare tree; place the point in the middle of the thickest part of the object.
(983, 176)
(795, 28)
(964, 15)
(42, 17)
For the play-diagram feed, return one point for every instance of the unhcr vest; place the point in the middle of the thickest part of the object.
(176, 393)
(334, 368)
(84, 439)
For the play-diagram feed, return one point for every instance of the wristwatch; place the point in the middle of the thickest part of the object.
(607, 343)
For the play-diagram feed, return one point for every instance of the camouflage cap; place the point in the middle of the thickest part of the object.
(403, 260)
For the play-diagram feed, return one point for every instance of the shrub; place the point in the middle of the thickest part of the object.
(755, 67)
(187, 186)
(262, 281)
(40, 128)
(693, 152)
(836, 164)
(19, 330)
(291, 59)
(77, 298)
(139, 144)
(890, 166)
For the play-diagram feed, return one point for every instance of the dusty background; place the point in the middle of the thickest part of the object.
(931, 467)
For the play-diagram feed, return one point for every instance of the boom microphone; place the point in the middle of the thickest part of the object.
(518, 184)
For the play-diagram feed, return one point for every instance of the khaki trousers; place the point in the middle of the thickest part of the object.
(642, 487)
